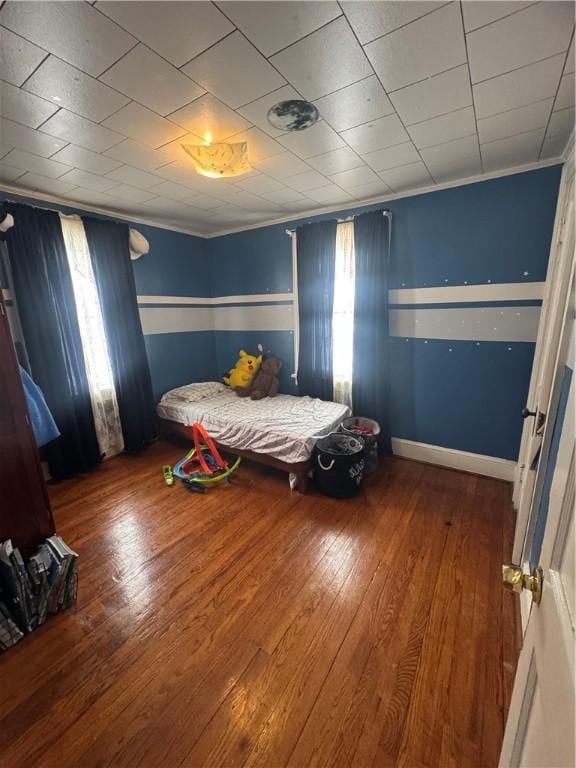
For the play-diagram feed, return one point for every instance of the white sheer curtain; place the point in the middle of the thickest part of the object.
(94, 346)
(343, 314)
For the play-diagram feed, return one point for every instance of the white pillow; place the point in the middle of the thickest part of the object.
(192, 393)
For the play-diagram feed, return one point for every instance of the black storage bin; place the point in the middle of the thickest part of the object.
(339, 464)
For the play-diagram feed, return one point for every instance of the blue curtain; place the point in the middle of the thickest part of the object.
(370, 389)
(45, 297)
(109, 250)
(316, 257)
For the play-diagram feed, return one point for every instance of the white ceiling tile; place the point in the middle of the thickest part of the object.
(515, 89)
(260, 145)
(184, 174)
(377, 134)
(515, 150)
(392, 157)
(282, 166)
(44, 184)
(452, 150)
(436, 96)
(515, 121)
(175, 149)
(22, 107)
(172, 190)
(355, 177)
(134, 177)
(407, 177)
(330, 195)
(89, 180)
(126, 192)
(273, 26)
(204, 202)
(374, 19)
(325, 61)
(461, 168)
(356, 104)
(256, 111)
(537, 32)
(478, 13)
(561, 122)
(66, 86)
(366, 191)
(305, 181)
(138, 155)
(260, 185)
(250, 76)
(150, 80)
(419, 50)
(441, 129)
(209, 119)
(4, 150)
(66, 125)
(336, 161)
(91, 197)
(85, 160)
(178, 31)
(285, 195)
(16, 135)
(254, 203)
(19, 57)
(75, 32)
(164, 206)
(299, 206)
(570, 63)
(8, 173)
(138, 123)
(316, 140)
(565, 96)
(553, 146)
(28, 162)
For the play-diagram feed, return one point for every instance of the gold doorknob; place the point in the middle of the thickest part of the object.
(516, 580)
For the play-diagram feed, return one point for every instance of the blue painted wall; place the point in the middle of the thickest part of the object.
(175, 266)
(457, 394)
(453, 394)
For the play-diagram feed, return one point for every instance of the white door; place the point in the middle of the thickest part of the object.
(539, 406)
(540, 727)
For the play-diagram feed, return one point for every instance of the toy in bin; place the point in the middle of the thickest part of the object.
(368, 430)
(203, 465)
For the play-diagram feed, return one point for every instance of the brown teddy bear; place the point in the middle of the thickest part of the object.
(266, 382)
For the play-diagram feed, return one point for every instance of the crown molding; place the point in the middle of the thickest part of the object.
(67, 203)
(395, 196)
(291, 217)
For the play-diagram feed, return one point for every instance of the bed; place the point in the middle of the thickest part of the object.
(280, 432)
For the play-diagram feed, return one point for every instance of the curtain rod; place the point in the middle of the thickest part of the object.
(387, 212)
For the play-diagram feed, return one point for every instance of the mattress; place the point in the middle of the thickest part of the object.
(285, 427)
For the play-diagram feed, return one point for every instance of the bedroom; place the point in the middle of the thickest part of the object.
(368, 206)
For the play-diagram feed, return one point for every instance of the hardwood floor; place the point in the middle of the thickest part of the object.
(255, 627)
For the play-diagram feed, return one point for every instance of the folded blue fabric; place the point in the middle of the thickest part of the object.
(43, 423)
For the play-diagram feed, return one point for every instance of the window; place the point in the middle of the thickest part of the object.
(343, 314)
(93, 336)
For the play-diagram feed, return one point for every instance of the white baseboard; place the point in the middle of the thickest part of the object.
(448, 457)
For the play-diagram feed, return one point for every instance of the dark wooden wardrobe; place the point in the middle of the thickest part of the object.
(25, 514)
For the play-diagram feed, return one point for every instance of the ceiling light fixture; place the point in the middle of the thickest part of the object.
(293, 115)
(219, 160)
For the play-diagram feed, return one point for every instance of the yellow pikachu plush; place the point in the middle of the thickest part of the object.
(242, 375)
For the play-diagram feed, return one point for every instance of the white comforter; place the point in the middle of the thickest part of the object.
(285, 426)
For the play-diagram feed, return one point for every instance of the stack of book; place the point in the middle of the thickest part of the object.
(30, 591)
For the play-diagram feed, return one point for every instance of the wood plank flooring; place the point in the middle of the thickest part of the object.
(252, 626)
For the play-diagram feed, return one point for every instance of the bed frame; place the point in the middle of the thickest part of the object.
(166, 427)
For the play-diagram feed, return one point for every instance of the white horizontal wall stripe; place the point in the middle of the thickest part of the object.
(185, 319)
(269, 318)
(242, 299)
(467, 324)
(176, 319)
(471, 293)
(436, 295)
